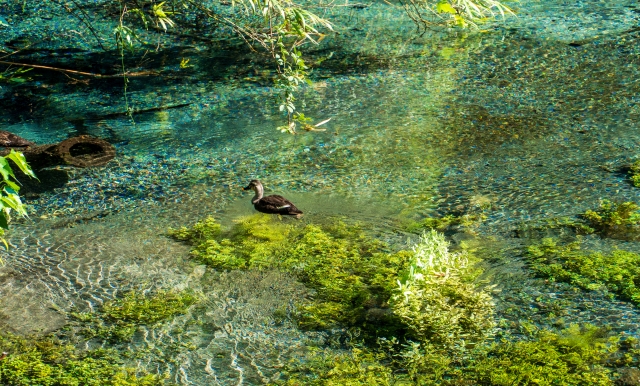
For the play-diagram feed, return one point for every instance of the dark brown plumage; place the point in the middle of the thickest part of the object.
(271, 204)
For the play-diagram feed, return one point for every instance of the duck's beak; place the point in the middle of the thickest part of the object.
(247, 188)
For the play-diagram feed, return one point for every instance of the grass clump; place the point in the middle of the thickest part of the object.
(117, 320)
(618, 271)
(359, 366)
(554, 226)
(47, 362)
(615, 220)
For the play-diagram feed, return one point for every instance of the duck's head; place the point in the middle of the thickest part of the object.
(253, 185)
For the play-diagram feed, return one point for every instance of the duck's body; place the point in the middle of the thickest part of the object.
(271, 204)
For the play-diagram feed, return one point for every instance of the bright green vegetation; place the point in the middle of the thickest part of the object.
(360, 366)
(117, 320)
(576, 356)
(47, 362)
(618, 271)
(432, 320)
(578, 227)
(439, 300)
(352, 274)
(615, 220)
(635, 173)
(9, 188)
(15, 75)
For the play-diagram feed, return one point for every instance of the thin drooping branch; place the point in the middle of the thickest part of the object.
(64, 70)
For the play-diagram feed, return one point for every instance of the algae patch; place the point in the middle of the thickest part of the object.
(353, 275)
(578, 355)
(618, 271)
(117, 320)
(47, 361)
(618, 220)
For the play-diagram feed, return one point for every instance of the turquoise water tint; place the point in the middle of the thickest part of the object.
(531, 118)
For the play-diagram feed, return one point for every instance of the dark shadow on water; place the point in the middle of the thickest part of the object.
(48, 180)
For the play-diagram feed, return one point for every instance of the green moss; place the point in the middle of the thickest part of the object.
(47, 362)
(615, 220)
(618, 271)
(352, 274)
(355, 278)
(360, 366)
(117, 320)
(574, 357)
(203, 230)
(577, 356)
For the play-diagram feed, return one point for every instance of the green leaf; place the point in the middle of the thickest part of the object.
(445, 7)
(12, 185)
(4, 219)
(19, 160)
(5, 169)
(12, 200)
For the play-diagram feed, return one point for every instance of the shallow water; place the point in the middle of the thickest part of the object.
(514, 116)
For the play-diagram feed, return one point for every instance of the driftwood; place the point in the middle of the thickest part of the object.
(82, 151)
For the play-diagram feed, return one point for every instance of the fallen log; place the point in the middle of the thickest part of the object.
(82, 151)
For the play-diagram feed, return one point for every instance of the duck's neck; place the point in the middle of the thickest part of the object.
(259, 192)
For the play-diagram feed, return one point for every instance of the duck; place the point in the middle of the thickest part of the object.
(271, 204)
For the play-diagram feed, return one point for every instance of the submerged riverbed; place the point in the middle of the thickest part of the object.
(531, 119)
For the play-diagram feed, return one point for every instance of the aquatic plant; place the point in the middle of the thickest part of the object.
(579, 355)
(576, 356)
(438, 297)
(47, 361)
(356, 280)
(618, 271)
(554, 226)
(351, 273)
(615, 220)
(358, 366)
(117, 320)
(427, 302)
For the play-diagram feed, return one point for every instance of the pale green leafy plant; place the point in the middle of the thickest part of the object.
(438, 297)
